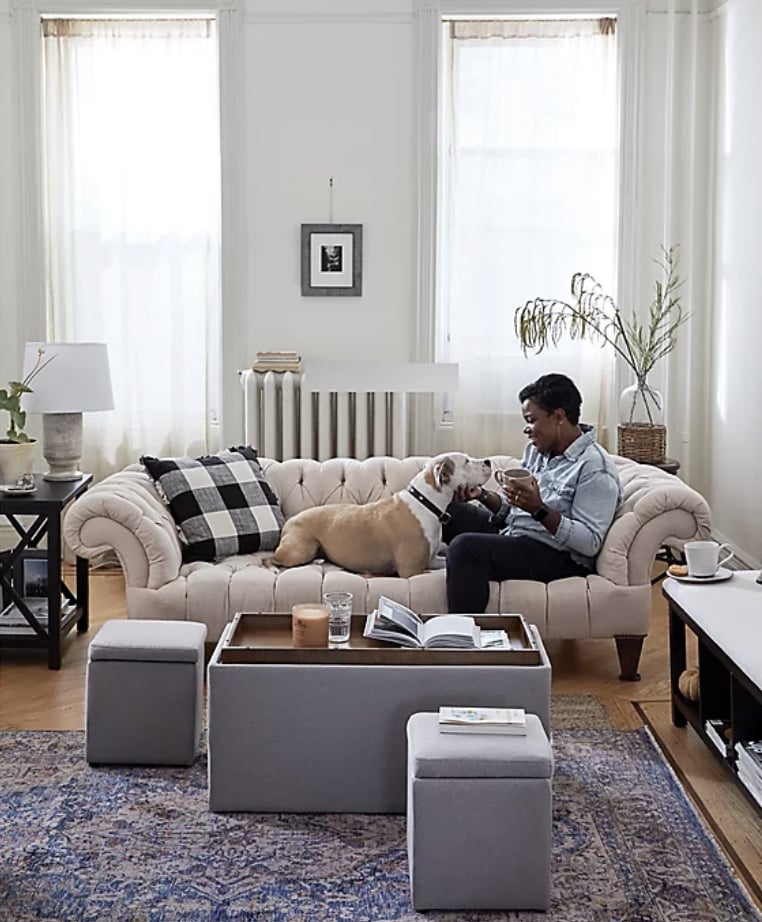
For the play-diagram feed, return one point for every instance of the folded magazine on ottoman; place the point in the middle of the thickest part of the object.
(482, 720)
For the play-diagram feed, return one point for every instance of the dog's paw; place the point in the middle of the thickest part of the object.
(438, 562)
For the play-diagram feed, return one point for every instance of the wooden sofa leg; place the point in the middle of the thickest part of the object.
(628, 648)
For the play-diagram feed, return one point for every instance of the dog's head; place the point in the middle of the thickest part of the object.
(453, 469)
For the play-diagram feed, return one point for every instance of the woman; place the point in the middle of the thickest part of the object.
(544, 527)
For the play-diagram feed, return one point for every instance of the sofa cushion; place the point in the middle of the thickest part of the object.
(222, 504)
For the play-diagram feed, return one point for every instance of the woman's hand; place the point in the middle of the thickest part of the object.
(463, 494)
(523, 492)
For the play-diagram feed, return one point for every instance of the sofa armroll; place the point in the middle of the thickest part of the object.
(658, 509)
(124, 513)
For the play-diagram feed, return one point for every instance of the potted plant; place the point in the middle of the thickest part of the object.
(16, 448)
(594, 315)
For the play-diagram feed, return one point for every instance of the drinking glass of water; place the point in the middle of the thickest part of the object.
(339, 616)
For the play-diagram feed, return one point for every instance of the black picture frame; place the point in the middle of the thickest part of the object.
(332, 260)
(30, 576)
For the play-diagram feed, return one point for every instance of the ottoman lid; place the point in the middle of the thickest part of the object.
(477, 755)
(149, 641)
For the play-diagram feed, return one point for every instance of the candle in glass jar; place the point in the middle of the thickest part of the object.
(309, 624)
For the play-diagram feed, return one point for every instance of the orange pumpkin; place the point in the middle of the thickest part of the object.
(688, 684)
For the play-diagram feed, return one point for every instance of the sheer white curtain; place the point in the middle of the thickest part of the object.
(132, 216)
(529, 196)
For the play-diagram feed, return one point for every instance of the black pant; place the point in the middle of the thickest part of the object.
(477, 554)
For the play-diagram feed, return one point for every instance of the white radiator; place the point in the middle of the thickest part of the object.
(347, 411)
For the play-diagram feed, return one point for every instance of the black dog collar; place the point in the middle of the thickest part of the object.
(444, 517)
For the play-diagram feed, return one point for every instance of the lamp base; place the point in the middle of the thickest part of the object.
(63, 475)
(62, 445)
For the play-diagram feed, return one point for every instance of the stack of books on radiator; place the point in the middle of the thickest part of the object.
(277, 361)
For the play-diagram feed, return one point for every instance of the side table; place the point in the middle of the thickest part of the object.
(670, 465)
(47, 505)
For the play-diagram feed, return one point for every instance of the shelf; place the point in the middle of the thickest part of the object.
(20, 633)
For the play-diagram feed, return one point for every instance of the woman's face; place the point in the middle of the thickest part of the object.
(541, 427)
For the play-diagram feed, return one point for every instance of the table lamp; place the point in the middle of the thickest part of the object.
(76, 381)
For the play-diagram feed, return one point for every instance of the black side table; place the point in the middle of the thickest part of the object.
(47, 505)
(670, 465)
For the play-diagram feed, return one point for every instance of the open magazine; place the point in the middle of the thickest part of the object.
(395, 623)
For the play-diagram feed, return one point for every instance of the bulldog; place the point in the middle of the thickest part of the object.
(398, 534)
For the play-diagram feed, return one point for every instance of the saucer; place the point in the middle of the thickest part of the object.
(16, 491)
(722, 574)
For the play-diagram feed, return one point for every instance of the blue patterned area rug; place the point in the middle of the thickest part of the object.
(140, 845)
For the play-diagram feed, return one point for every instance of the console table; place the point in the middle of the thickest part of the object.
(46, 505)
(726, 617)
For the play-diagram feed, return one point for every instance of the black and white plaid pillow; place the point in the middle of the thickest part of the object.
(222, 504)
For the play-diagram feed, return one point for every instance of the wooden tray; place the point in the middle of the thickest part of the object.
(266, 638)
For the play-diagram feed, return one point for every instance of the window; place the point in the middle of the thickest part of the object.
(528, 196)
(132, 198)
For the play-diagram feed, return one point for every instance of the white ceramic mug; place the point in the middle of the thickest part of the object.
(503, 475)
(703, 557)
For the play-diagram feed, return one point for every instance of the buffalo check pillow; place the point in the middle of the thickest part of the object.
(222, 504)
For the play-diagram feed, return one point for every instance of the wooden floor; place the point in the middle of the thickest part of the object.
(33, 697)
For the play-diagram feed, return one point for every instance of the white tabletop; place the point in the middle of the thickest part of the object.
(730, 613)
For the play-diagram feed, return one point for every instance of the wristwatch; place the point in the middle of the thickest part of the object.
(539, 514)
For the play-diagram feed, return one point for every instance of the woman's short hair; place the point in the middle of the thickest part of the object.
(554, 392)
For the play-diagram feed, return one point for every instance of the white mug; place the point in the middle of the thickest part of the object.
(703, 557)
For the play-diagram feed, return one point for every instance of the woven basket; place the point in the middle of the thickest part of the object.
(644, 442)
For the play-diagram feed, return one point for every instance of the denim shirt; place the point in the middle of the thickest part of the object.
(581, 484)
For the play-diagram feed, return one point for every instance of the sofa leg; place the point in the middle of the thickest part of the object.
(628, 648)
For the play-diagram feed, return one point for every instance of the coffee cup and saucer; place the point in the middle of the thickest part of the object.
(704, 564)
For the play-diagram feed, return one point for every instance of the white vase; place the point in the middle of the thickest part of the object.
(16, 459)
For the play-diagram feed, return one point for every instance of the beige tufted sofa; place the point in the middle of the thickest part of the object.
(124, 513)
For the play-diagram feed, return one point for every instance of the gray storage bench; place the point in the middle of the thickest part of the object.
(323, 731)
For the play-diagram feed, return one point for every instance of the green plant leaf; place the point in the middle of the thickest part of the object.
(594, 316)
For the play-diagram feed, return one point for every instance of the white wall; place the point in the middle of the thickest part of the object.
(331, 99)
(735, 374)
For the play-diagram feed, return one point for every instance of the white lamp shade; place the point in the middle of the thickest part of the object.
(77, 379)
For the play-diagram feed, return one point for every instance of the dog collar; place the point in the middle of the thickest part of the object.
(444, 517)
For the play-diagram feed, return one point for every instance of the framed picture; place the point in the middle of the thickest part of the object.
(32, 575)
(332, 260)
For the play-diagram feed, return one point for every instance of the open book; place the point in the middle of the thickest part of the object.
(396, 623)
(482, 720)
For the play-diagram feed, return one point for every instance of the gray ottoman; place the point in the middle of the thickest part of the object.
(145, 683)
(478, 817)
